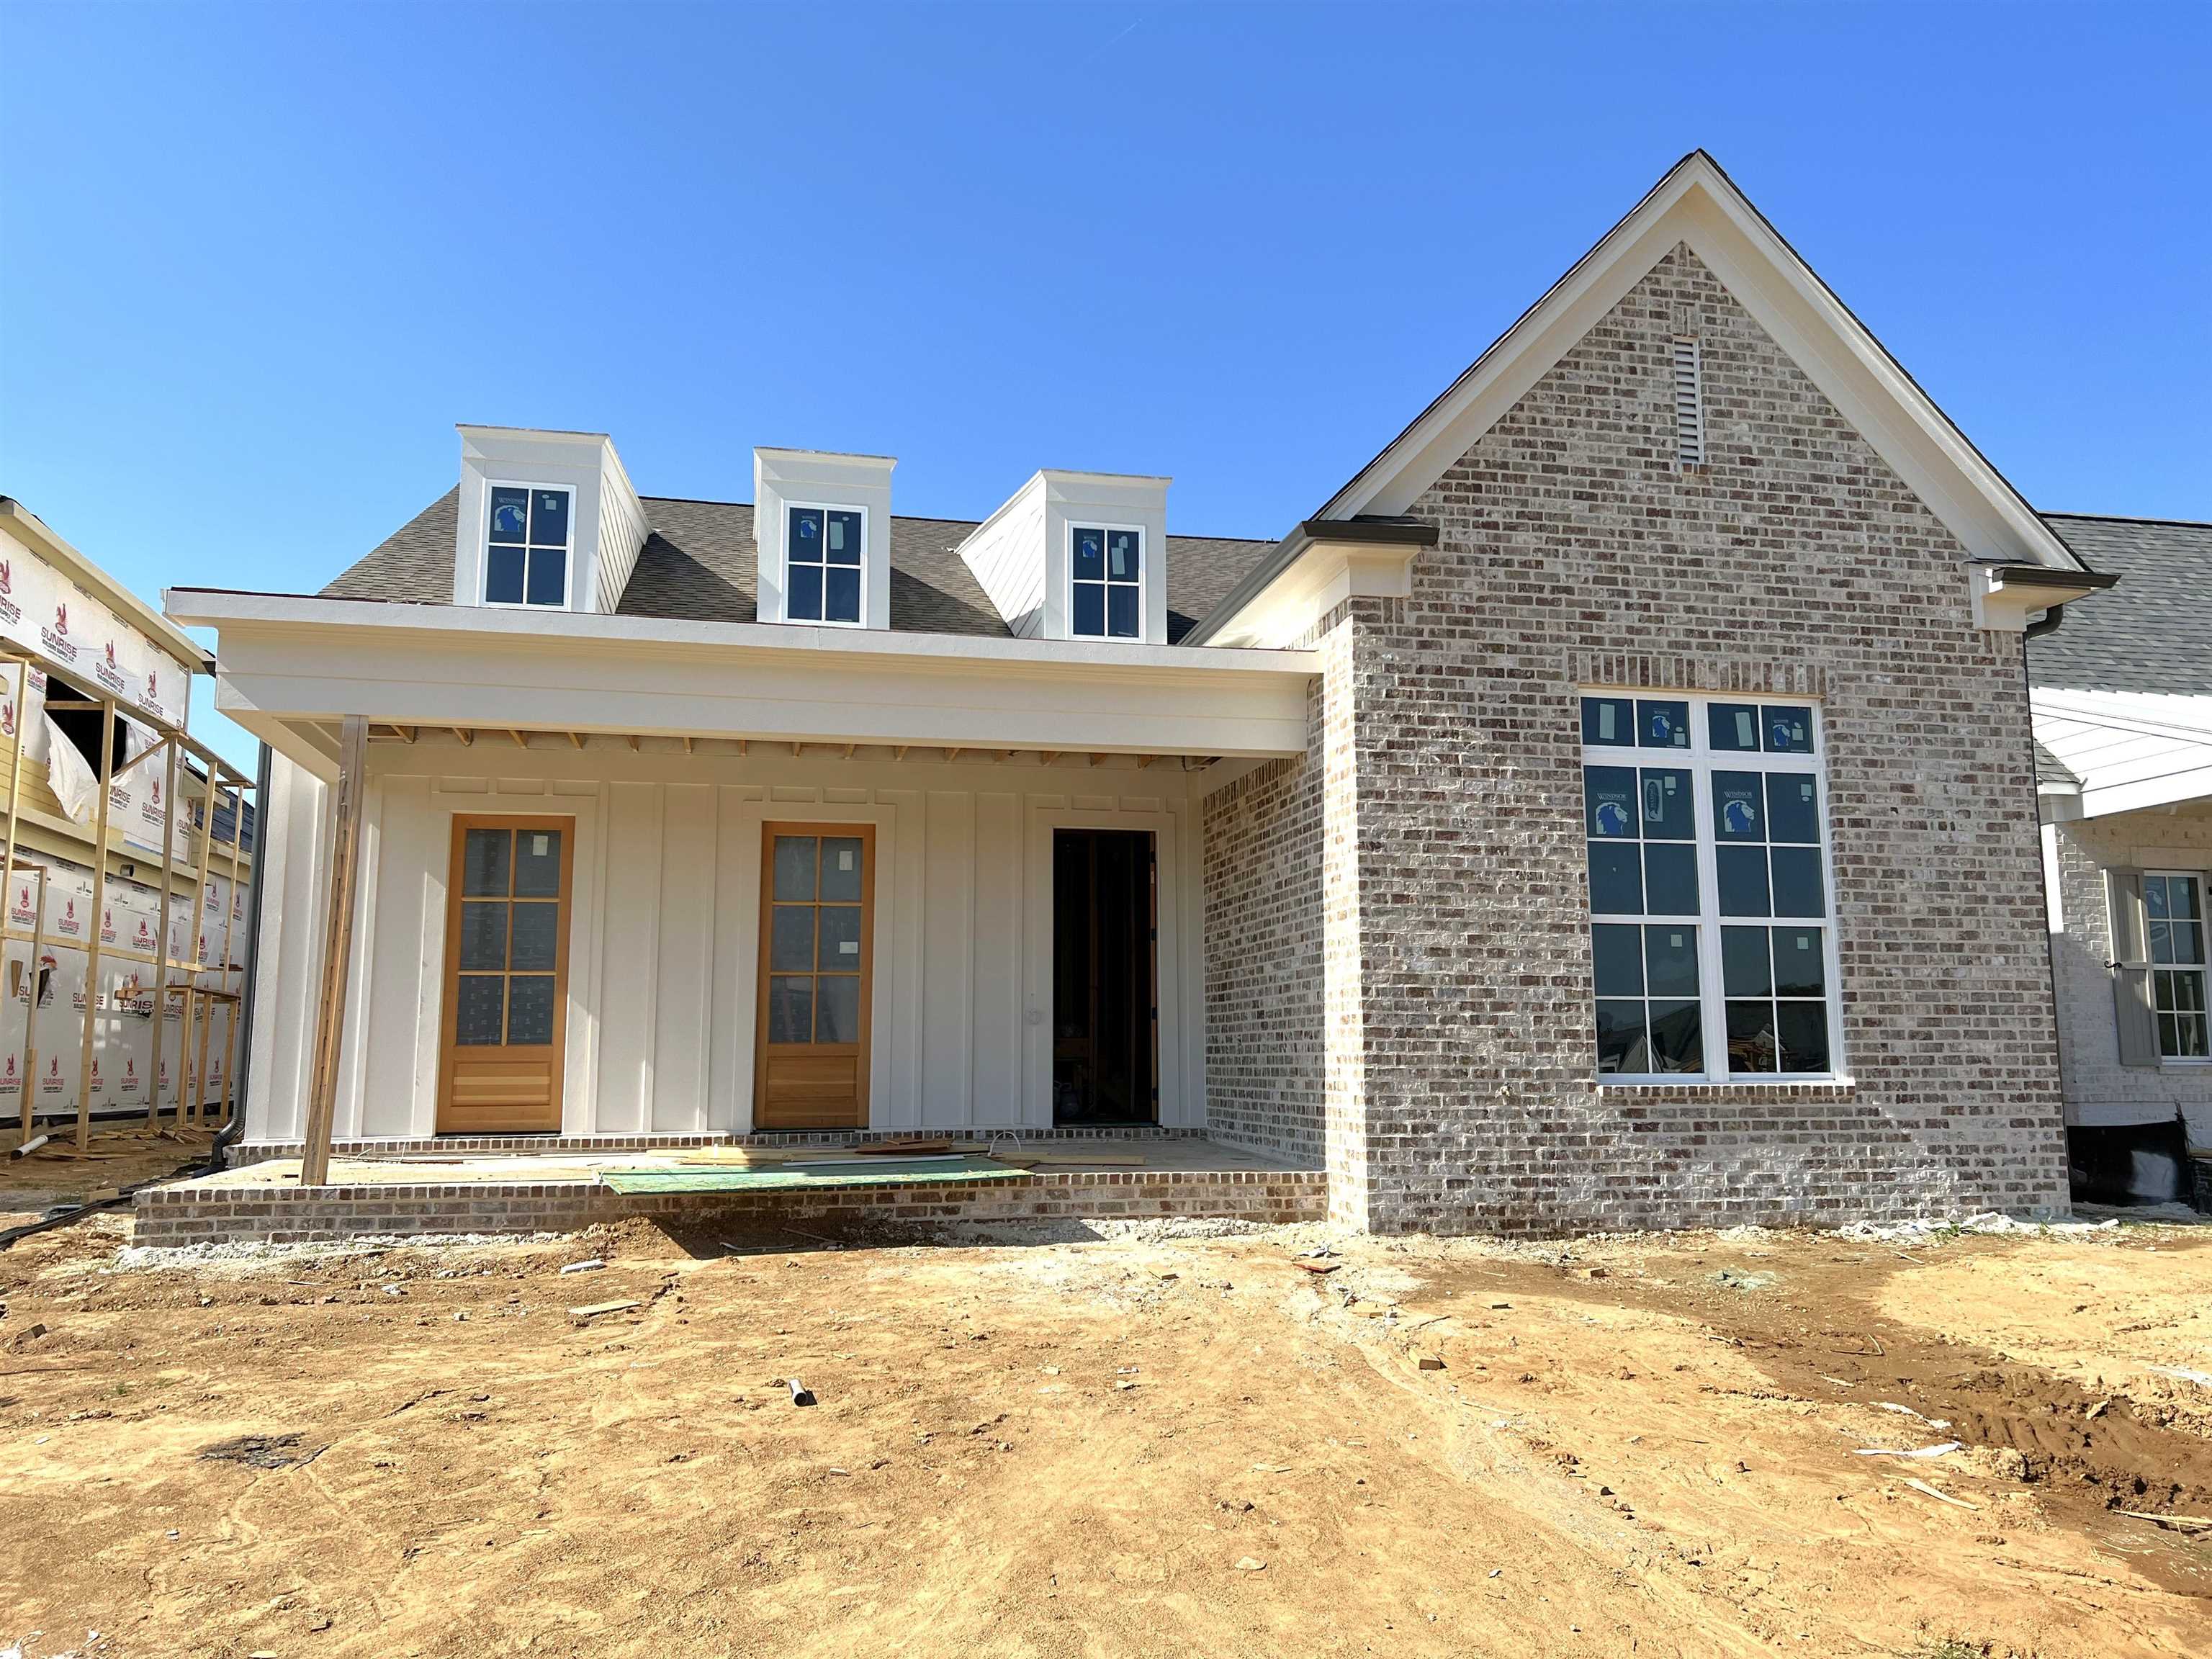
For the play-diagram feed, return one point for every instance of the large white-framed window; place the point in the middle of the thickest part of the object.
(1106, 581)
(528, 531)
(1713, 900)
(823, 545)
(2175, 933)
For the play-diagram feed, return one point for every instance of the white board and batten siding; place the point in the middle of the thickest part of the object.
(623, 532)
(665, 937)
(1006, 552)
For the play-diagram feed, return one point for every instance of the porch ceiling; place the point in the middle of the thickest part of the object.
(290, 668)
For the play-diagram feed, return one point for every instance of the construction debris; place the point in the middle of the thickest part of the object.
(593, 1309)
(1943, 1450)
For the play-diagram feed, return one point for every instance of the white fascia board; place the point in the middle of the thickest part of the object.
(287, 657)
(1697, 205)
(2153, 714)
(2175, 789)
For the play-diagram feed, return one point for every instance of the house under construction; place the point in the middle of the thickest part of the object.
(128, 851)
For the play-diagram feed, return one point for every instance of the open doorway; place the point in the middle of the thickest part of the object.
(1105, 1048)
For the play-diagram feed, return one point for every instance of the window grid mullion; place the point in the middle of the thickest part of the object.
(1711, 1003)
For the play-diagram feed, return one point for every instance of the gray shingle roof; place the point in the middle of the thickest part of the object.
(2049, 768)
(699, 564)
(2154, 631)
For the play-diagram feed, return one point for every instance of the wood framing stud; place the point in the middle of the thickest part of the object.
(687, 743)
(577, 739)
(467, 738)
(95, 924)
(520, 742)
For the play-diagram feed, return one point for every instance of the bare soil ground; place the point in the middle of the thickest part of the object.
(1151, 1443)
(118, 1156)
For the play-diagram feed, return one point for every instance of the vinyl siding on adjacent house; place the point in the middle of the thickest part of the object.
(2100, 1091)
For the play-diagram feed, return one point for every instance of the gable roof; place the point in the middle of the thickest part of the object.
(2153, 633)
(700, 563)
(1698, 205)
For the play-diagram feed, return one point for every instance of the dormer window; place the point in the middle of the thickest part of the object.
(822, 565)
(527, 547)
(1106, 566)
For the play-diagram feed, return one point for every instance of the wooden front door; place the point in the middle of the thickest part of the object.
(817, 907)
(507, 976)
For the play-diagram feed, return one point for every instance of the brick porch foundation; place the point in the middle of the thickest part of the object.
(192, 1213)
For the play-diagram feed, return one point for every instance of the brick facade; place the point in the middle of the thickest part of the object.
(1264, 1051)
(1456, 1019)
(2099, 1089)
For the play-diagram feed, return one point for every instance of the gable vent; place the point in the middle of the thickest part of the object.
(1689, 405)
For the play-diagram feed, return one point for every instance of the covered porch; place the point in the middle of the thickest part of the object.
(726, 882)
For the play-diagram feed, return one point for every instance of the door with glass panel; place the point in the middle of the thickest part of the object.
(817, 894)
(507, 976)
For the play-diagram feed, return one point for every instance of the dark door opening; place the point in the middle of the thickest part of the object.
(1105, 1048)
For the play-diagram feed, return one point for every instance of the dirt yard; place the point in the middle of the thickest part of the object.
(1147, 1444)
(119, 1157)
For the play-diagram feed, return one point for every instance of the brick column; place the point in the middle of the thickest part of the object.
(1343, 945)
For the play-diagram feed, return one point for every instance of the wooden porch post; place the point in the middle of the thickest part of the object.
(346, 803)
(195, 1002)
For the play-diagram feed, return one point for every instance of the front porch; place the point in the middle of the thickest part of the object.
(740, 841)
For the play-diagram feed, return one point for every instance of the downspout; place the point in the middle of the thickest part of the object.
(243, 1079)
(2046, 624)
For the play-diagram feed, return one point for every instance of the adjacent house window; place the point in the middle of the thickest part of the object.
(527, 546)
(1711, 932)
(821, 563)
(2174, 913)
(1106, 572)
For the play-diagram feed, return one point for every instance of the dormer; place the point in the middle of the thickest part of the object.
(822, 526)
(1078, 556)
(548, 521)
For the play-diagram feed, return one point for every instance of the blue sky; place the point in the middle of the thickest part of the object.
(260, 261)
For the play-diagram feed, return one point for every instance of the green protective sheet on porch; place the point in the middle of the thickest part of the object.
(792, 1177)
